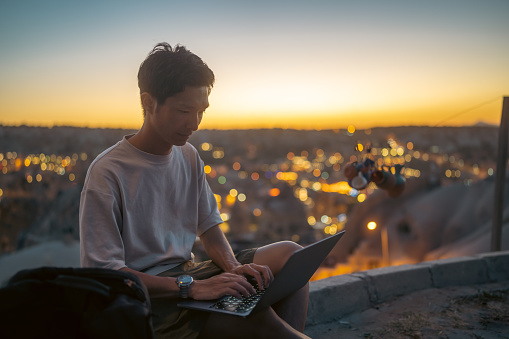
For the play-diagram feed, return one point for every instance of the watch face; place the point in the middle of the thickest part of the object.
(185, 280)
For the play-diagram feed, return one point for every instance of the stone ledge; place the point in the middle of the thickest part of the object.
(497, 264)
(332, 298)
(393, 281)
(335, 297)
(457, 271)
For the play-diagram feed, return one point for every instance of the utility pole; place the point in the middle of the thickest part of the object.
(385, 246)
(503, 137)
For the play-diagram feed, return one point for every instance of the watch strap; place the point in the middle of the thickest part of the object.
(184, 292)
(184, 283)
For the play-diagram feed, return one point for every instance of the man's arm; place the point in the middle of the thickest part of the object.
(232, 282)
(220, 252)
(218, 249)
(208, 289)
(157, 287)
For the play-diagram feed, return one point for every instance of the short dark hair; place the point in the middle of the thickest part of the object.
(168, 70)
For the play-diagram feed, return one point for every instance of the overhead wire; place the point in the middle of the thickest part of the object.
(467, 110)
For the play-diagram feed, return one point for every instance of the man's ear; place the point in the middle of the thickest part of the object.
(148, 102)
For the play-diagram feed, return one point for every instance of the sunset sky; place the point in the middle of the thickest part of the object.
(289, 64)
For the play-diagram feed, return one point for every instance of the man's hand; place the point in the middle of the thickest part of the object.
(221, 285)
(261, 273)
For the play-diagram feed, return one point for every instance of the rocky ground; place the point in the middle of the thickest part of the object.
(478, 311)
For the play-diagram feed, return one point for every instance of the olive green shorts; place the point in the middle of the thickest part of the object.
(171, 321)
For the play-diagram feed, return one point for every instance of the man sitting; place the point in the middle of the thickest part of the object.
(146, 199)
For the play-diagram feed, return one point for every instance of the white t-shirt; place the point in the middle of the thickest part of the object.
(144, 211)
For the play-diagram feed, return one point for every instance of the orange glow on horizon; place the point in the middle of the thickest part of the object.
(130, 117)
(326, 107)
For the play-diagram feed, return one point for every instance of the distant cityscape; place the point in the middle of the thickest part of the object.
(270, 185)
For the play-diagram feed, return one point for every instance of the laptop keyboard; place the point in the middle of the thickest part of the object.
(239, 305)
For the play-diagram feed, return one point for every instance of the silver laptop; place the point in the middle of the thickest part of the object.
(297, 271)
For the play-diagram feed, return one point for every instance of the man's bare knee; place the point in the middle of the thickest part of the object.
(291, 246)
(275, 255)
(287, 248)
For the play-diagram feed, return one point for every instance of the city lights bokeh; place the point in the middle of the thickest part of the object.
(297, 193)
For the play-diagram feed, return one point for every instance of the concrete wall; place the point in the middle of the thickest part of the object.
(335, 297)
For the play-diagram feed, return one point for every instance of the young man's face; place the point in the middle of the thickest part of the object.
(179, 116)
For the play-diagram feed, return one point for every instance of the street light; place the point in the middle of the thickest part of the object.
(385, 242)
(371, 225)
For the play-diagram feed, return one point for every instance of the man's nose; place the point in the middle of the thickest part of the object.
(194, 122)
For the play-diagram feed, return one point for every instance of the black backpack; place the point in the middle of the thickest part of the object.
(51, 302)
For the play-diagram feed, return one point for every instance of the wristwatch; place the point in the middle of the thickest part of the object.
(184, 282)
